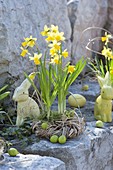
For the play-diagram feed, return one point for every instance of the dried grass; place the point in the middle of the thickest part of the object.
(70, 127)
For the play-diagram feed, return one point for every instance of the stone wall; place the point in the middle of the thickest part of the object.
(20, 19)
(89, 14)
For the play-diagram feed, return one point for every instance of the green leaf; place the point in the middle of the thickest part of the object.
(3, 88)
(78, 69)
(2, 96)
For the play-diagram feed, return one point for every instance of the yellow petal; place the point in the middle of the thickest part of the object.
(65, 53)
(71, 69)
(103, 39)
(24, 44)
(32, 76)
(24, 52)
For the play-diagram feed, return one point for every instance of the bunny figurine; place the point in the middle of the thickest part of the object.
(103, 104)
(26, 106)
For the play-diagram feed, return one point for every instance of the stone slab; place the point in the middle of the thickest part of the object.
(31, 162)
(90, 151)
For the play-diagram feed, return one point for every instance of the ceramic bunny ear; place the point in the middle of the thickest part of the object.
(105, 80)
(26, 84)
(101, 81)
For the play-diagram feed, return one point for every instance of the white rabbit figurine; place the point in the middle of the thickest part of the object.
(26, 106)
(103, 104)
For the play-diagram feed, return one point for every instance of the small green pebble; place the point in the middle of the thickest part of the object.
(99, 124)
(62, 139)
(54, 139)
(13, 152)
(44, 125)
(85, 87)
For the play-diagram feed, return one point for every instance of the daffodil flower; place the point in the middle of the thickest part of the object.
(30, 38)
(24, 52)
(53, 51)
(32, 75)
(36, 58)
(107, 53)
(106, 38)
(51, 37)
(59, 36)
(65, 53)
(46, 30)
(54, 28)
(55, 60)
(24, 44)
(55, 45)
(71, 69)
(29, 42)
(111, 71)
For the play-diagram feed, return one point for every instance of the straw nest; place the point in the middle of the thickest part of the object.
(68, 126)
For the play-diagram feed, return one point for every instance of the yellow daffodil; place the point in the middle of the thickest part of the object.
(53, 51)
(65, 53)
(111, 71)
(32, 75)
(54, 28)
(55, 45)
(24, 52)
(51, 37)
(24, 44)
(36, 58)
(71, 69)
(107, 53)
(30, 38)
(106, 38)
(59, 36)
(56, 59)
(46, 30)
(29, 42)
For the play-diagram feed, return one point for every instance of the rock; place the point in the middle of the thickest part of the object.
(31, 162)
(2, 145)
(72, 13)
(88, 15)
(20, 19)
(91, 150)
(109, 22)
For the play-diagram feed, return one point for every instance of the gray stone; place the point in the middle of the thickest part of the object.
(31, 162)
(19, 19)
(88, 15)
(109, 22)
(72, 13)
(90, 151)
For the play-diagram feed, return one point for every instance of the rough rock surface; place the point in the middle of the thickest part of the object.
(72, 6)
(31, 162)
(109, 22)
(90, 151)
(88, 15)
(19, 19)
